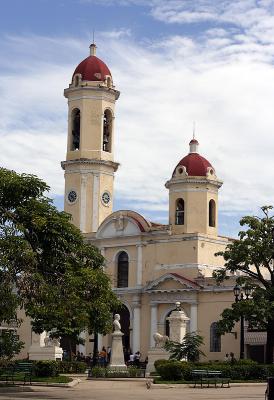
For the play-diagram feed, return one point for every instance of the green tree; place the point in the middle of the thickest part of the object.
(252, 254)
(59, 278)
(189, 348)
(9, 344)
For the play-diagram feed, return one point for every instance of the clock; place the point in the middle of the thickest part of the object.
(106, 198)
(72, 196)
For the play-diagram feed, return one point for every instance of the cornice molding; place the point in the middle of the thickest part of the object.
(104, 91)
(87, 161)
(195, 181)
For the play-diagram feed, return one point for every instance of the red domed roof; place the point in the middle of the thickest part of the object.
(195, 164)
(92, 69)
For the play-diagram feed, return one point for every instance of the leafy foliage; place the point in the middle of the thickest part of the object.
(10, 344)
(59, 278)
(250, 370)
(252, 254)
(189, 348)
(174, 370)
(46, 368)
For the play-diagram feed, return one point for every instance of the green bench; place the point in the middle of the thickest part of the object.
(208, 377)
(19, 370)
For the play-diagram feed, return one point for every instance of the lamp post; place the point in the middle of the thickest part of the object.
(239, 296)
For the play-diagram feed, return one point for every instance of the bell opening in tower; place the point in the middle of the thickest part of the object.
(76, 127)
(180, 212)
(107, 128)
(212, 213)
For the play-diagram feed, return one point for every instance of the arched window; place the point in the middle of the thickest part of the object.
(180, 212)
(212, 213)
(122, 270)
(107, 128)
(76, 125)
(215, 338)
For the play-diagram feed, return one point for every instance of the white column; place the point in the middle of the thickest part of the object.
(82, 347)
(193, 318)
(136, 328)
(83, 203)
(153, 322)
(100, 342)
(95, 203)
(139, 264)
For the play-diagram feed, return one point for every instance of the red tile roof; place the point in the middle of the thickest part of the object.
(92, 69)
(195, 164)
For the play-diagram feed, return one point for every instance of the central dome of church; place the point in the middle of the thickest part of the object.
(92, 68)
(195, 164)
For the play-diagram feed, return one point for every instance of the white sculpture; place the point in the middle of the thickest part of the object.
(160, 340)
(116, 323)
(117, 355)
(50, 342)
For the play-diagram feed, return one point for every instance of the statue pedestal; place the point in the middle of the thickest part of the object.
(117, 355)
(155, 353)
(177, 323)
(45, 353)
(40, 351)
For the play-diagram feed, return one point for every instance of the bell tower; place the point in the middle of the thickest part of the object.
(193, 195)
(90, 166)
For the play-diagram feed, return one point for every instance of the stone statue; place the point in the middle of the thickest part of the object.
(116, 323)
(160, 340)
(51, 342)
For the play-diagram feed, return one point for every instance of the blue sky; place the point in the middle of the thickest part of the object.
(175, 61)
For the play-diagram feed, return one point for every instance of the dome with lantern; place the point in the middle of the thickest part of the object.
(194, 164)
(92, 68)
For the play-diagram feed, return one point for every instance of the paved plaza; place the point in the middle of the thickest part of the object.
(101, 390)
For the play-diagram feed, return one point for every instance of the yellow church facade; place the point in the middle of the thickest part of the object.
(151, 265)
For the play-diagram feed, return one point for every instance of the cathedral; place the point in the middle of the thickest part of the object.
(151, 265)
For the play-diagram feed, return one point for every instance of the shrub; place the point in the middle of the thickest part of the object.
(98, 372)
(133, 372)
(46, 368)
(170, 371)
(247, 370)
(246, 361)
(117, 373)
(161, 361)
(270, 370)
(71, 367)
(241, 370)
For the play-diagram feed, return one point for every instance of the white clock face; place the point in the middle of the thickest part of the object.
(72, 196)
(106, 198)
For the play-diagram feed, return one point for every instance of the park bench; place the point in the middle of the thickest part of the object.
(207, 377)
(22, 370)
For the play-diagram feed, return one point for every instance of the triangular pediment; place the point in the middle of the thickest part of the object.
(172, 281)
